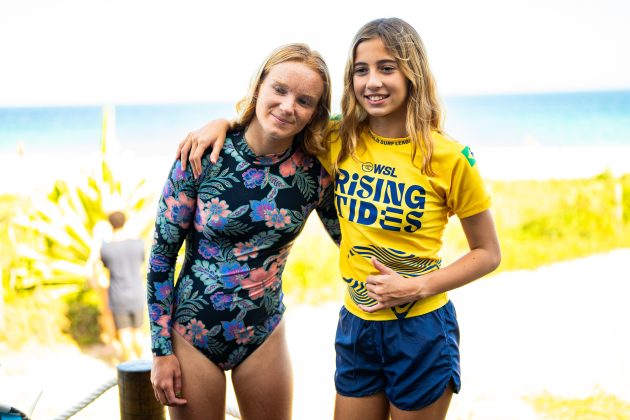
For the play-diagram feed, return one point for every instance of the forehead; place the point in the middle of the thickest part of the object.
(372, 50)
(297, 76)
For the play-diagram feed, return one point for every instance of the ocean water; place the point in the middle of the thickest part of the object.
(551, 120)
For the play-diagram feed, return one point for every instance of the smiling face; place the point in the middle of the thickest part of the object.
(380, 87)
(287, 101)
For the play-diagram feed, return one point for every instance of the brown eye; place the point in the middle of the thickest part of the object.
(305, 102)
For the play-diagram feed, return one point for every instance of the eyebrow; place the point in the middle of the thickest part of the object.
(284, 85)
(379, 62)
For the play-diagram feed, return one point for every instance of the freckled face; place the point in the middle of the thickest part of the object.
(287, 100)
(380, 87)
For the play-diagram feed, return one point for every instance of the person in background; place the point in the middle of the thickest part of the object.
(398, 178)
(240, 218)
(126, 295)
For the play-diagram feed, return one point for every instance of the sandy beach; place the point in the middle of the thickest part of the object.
(33, 171)
(556, 329)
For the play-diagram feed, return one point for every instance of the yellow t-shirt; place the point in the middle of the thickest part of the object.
(389, 210)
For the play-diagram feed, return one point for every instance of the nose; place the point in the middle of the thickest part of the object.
(374, 81)
(287, 105)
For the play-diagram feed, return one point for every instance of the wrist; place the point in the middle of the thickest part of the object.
(423, 288)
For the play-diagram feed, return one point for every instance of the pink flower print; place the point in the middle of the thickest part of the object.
(201, 217)
(208, 249)
(198, 332)
(246, 250)
(181, 330)
(178, 174)
(301, 160)
(244, 336)
(232, 273)
(260, 280)
(277, 218)
(180, 210)
(287, 168)
(218, 212)
(164, 321)
(215, 213)
(231, 329)
(253, 178)
(261, 209)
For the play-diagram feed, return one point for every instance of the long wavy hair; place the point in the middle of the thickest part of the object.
(313, 139)
(424, 112)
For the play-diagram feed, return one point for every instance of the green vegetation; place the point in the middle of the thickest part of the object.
(539, 222)
(58, 235)
(600, 406)
(49, 243)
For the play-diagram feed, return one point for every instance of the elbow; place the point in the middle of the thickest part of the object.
(495, 260)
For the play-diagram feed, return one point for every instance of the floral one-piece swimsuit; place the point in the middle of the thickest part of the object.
(239, 219)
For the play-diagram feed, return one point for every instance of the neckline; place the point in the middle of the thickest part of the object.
(243, 149)
(388, 141)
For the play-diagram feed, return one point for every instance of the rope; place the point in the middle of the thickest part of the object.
(87, 400)
(232, 411)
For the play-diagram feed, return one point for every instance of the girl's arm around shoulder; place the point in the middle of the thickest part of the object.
(192, 148)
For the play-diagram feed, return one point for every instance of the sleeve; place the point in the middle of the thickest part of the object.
(176, 209)
(468, 194)
(326, 208)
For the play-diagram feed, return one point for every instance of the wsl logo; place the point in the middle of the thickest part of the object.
(379, 169)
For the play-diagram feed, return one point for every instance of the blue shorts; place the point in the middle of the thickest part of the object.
(412, 360)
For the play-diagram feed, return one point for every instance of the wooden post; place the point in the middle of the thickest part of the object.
(137, 400)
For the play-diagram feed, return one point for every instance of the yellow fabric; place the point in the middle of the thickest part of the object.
(388, 209)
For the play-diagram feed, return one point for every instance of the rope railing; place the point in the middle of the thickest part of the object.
(87, 400)
(134, 395)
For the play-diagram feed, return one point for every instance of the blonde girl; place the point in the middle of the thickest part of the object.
(398, 178)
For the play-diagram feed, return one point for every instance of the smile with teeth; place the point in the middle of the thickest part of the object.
(376, 98)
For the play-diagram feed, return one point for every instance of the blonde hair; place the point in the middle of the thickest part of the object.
(424, 112)
(313, 141)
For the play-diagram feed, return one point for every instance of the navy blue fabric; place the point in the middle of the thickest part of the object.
(412, 360)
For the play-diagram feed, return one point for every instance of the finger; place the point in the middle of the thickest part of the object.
(183, 156)
(375, 296)
(157, 395)
(382, 268)
(172, 399)
(195, 158)
(177, 384)
(179, 148)
(216, 148)
(373, 279)
(372, 309)
(194, 147)
(372, 290)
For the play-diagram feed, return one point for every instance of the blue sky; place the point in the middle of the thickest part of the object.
(141, 51)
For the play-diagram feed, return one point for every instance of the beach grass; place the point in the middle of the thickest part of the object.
(538, 222)
(599, 406)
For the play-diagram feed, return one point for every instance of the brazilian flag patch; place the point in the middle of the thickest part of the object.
(468, 154)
